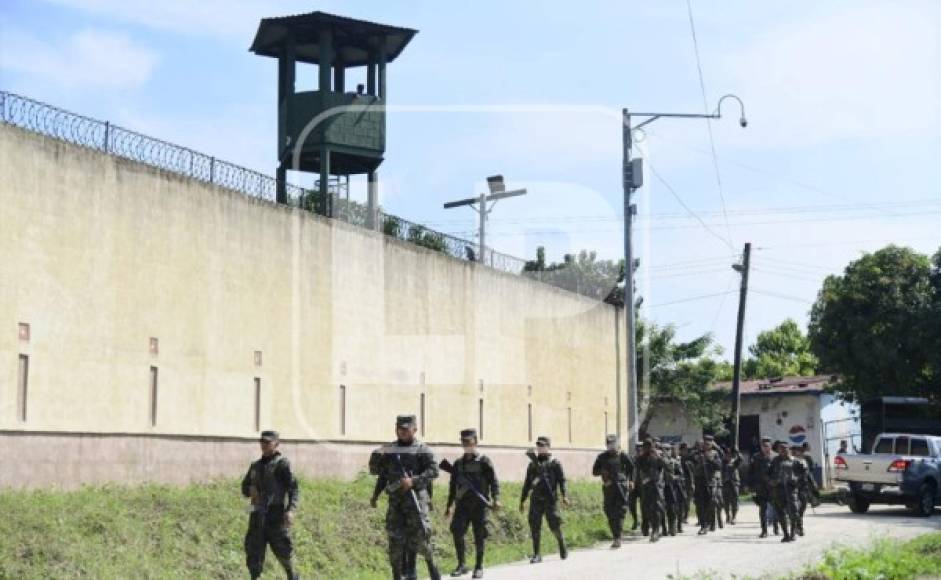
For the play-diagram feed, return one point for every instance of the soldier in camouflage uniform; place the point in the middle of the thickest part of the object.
(707, 470)
(473, 483)
(808, 491)
(687, 467)
(785, 473)
(759, 480)
(545, 480)
(672, 491)
(650, 469)
(731, 484)
(634, 497)
(409, 467)
(616, 470)
(269, 482)
(410, 559)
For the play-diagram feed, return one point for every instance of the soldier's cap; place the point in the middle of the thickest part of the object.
(684, 445)
(766, 439)
(805, 446)
(405, 421)
(610, 439)
(269, 436)
(797, 447)
(708, 438)
(469, 435)
(543, 441)
(779, 443)
(647, 444)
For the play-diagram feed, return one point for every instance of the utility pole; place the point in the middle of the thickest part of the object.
(742, 269)
(632, 176)
(497, 192)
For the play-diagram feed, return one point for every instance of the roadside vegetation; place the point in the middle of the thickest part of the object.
(157, 531)
(884, 560)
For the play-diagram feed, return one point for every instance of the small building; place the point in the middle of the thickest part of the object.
(793, 409)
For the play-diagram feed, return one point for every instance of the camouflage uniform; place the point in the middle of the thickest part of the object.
(707, 469)
(268, 482)
(633, 497)
(807, 491)
(785, 473)
(731, 485)
(689, 490)
(407, 522)
(650, 469)
(544, 480)
(410, 559)
(616, 470)
(471, 473)
(759, 480)
(672, 494)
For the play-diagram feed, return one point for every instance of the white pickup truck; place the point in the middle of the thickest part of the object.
(903, 469)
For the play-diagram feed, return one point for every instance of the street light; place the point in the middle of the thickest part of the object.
(632, 179)
(497, 192)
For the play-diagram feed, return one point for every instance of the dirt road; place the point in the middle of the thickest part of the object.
(736, 550)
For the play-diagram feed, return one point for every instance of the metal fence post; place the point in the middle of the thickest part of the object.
(212, 170)
(107, 147)
(3, 106)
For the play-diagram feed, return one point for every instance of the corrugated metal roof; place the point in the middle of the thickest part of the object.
(355, 39)
(784, 385)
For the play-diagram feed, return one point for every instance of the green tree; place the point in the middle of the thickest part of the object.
(582, 273)
(874, 325)
(681, 372)
(781, 351)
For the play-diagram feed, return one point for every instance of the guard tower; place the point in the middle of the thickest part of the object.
(337, 130)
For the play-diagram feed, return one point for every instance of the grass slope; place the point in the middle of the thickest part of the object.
(156, 531)
(885, 560)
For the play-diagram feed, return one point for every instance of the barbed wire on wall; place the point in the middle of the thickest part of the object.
(103, 136)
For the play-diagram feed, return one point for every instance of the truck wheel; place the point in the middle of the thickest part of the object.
(926, 497)
(858, 505)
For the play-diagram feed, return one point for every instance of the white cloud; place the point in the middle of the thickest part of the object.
(89, 59)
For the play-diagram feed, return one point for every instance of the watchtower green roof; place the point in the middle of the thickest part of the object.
(354, 40)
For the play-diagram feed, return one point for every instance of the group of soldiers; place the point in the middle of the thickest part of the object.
(664, 479)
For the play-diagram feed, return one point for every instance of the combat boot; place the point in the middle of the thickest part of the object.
(616, 543)
(460, 570)
(563, 551)
(537, 558)
(671, 525)
(478, 573)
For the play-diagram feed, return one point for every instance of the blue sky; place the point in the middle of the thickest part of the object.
(843, 98)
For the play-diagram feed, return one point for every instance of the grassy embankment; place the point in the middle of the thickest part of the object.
(884, 560)
(157, 531)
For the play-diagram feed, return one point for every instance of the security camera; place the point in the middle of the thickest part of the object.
(743, 122)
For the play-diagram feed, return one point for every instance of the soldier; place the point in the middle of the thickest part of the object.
(269, 482)
(634, 496)
(473, 483)
(545, 480)
(707, 472)
(409, 467)
(785, 472)
(806, 485)
(650, 468)
(672, 494)
(759, 480)
(686, 465)
(410, 559)
(616, 469)
(731, 484)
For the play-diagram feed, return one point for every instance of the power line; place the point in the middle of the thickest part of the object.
(691, 299)
(686, 207)
(705, 105)
(781, 296)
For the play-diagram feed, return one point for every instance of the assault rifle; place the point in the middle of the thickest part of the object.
(542, 471)
(463, 480)
(425, 526)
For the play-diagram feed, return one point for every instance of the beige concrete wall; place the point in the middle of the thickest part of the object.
(100, 254)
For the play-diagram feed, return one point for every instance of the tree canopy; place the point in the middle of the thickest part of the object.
(782, 351)
(877, 325)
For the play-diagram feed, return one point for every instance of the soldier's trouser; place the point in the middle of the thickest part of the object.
(405, 526)
(762, 500)
(716, 500)
(785, 506)
(268, 530)
(730, 494)
(615, 509)
(672, 509)
(548, 508)
(652, 507)
(474, 514)
(682, 499)
(690, 491)
(632, 504)
(699, 498)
